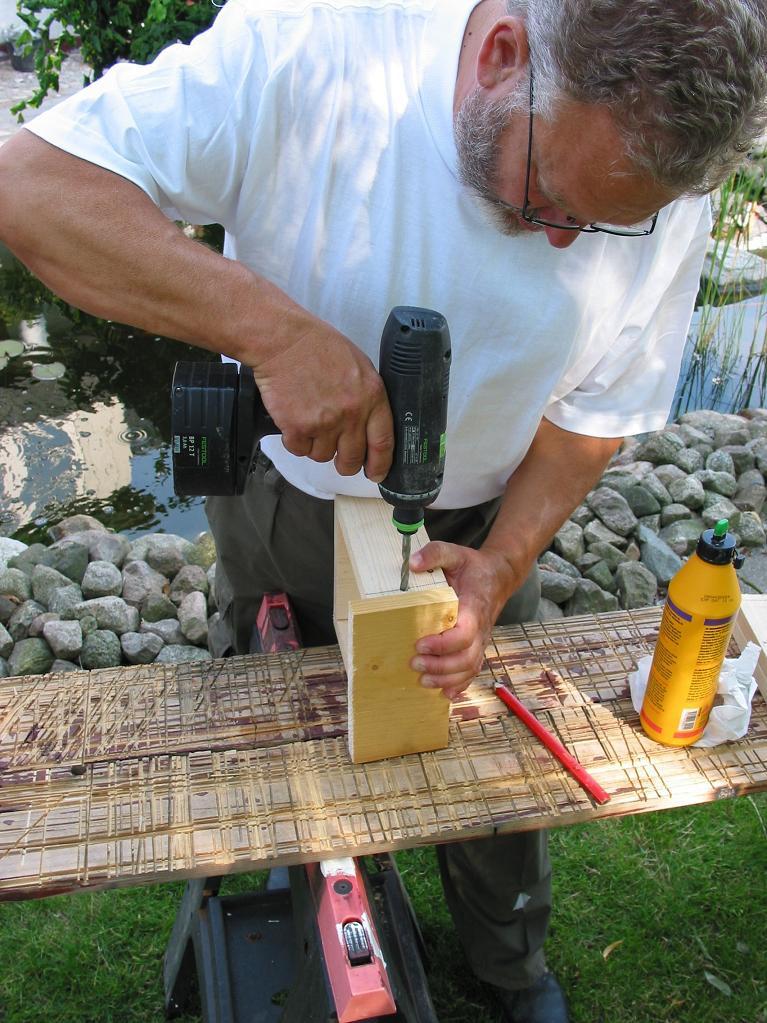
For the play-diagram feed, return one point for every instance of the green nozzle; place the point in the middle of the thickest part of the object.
(720, 529)
(407, 527)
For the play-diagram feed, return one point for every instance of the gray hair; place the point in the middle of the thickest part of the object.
(685, 80)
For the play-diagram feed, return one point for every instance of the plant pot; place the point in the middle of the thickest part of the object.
(22, 60)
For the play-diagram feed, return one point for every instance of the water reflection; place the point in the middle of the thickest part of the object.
(84, 418)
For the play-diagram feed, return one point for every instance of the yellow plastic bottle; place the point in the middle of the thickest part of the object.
(702, 602)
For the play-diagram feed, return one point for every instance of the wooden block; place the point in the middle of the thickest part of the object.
(390, 713)
(751, 625)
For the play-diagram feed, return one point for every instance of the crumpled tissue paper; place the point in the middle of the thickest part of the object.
(729, 719)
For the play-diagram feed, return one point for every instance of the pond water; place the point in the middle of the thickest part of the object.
(85, 409)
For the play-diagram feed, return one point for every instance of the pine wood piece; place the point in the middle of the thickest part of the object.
(751, 626)
(390, 712)
(132, 775)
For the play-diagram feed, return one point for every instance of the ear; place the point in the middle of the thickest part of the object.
(503, 54)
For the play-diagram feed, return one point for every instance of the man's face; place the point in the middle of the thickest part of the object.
(578, 173)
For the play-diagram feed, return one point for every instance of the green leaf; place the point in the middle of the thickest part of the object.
(719, 984)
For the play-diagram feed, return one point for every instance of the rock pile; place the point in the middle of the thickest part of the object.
(93, 599)
(620, 548)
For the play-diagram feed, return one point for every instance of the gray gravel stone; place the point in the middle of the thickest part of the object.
(758, 448)
(600, 574)
(111, 613)
(212, 600)
(45, 581)
(682, 537)
(68, 557)
(30, 657)
(687, 491)
(606, 552)
(103, 546)
(28, 558)
(598, 532)
(590, 599)
(688, 459)
(720, 461)
(37, 625)
(659, 490)
(674, 513)
(697, 439)
(709, 421)
(60, 666)
(637, 586)
(7, 607)
(65, 599)
(9, 548)
(140, 647)
(22, 618)
(668, 473)
(556, 586)
(748, 528)
(64, 638)
(587, 561)
(657, 556)
(187, 580)
(642, 501)
(722, 508)
(660, 448)
(164, 552)
(167, 629)
(203, 551)
(582, 515)
(620, 481)
(751, 492)
(101, 649)
(193, 617)
(730, 435)
(102, 579)
(720, 482)
(174, 654)
(6, 642)
(139, 580)
(568, 542)
(742, 459)
(613, 510)
(74, 524)
(4, 669)
(548, 611)
(553, 561)
(157, 606)
(15, 583)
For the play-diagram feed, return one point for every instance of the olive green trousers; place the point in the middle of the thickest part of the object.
(276, 538)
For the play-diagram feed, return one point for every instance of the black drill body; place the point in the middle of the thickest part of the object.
(414, 363)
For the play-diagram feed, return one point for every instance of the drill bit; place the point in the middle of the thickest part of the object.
(405, 577)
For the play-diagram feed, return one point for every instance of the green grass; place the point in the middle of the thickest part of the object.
(656, 919)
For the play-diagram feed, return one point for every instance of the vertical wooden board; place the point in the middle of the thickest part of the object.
(751, 626)
(374, 547)
(390, 712)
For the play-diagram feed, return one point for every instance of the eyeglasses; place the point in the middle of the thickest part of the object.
(527, 211)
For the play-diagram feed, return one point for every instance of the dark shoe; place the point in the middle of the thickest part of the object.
(542, 1002)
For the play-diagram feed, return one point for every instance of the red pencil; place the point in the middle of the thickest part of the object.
(567, 760)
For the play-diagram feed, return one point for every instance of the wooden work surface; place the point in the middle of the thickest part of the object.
(131, 775)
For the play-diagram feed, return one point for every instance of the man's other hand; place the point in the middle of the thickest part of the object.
(481, 579)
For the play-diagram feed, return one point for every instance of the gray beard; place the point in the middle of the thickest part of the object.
(478, 129)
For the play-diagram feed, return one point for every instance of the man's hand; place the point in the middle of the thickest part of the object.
(484, 581)
(328, 400)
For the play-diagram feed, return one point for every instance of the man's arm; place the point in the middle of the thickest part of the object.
(97, 240)
(555, 475)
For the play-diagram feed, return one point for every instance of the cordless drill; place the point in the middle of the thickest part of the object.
(218, 417)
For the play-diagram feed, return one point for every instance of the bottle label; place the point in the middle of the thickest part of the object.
(685, 672)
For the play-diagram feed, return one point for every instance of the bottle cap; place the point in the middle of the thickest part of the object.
(716, 546)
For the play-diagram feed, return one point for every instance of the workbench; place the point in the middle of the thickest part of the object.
(142, 774)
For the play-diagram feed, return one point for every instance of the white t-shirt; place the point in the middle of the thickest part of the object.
(319, 134)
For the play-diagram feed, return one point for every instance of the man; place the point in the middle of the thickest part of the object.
(524, 168)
